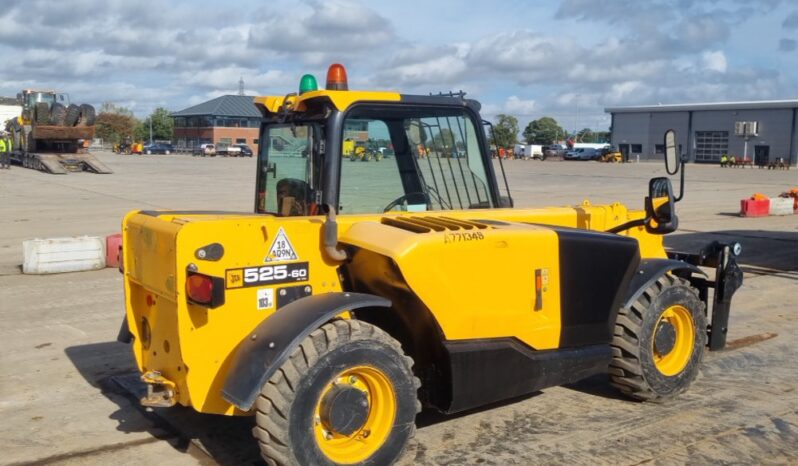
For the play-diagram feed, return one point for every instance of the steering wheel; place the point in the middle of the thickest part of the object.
(404, 198)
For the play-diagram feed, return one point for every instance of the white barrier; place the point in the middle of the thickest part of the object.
(781, 206)
(56, 255)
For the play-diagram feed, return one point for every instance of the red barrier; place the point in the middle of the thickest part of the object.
(754, 208)
(113, 248)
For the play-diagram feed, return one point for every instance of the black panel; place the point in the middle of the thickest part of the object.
(595, 271)
(485, 371)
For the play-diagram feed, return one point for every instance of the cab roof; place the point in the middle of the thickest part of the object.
(342, 100)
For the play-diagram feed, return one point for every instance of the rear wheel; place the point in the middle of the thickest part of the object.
(659, 341)
(347, 395)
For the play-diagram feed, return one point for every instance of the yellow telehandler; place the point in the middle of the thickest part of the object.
(355, 294)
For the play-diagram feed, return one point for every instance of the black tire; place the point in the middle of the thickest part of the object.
(633, 369)
(285, 419)
(72, 115)
(57, 114)
(42, 113)
(87, 115)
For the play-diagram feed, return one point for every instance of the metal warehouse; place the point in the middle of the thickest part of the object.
(760, 131)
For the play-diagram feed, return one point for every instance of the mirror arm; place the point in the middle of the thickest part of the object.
(630, 224)
(681, 183)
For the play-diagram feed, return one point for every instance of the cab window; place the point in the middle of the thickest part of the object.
(286, 181)
(411, 159)
(370, 179)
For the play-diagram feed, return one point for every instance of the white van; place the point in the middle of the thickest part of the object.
(528, 151)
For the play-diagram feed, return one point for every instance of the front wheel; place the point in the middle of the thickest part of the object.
(347, 395)
(659, 341)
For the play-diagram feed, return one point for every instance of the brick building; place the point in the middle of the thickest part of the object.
(225, 120)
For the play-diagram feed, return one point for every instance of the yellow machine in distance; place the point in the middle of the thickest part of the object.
(356, 293)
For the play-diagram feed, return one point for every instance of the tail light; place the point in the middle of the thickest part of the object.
(205, 290)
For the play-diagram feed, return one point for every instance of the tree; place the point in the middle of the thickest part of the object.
(585, 135)
(443, 140)
(544, 130)
(162, 126)
(505, 131)
(114, 123)
(110, 107)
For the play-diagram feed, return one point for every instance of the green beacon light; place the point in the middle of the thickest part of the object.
(307, 84)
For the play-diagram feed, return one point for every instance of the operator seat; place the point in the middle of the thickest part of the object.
(293, 198)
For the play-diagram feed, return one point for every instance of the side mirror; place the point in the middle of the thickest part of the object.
(660, 207)
(671, 155)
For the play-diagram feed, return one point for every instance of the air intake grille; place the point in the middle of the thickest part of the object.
(429, 224)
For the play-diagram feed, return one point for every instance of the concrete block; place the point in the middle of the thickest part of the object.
(781, 206)
(56, 255)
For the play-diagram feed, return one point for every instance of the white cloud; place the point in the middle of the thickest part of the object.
(714, 61)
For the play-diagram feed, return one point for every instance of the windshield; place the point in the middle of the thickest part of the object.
(430, 160)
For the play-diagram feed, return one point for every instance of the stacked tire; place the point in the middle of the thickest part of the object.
(59, 115)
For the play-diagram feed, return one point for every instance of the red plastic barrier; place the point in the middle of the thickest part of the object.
(754, 207)
(113, 248)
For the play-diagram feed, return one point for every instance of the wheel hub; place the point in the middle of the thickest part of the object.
(664, 338)
(344, 409)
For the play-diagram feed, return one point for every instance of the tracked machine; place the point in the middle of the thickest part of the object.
(354, 294)
(51, 133)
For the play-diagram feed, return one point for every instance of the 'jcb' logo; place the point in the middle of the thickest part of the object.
(234, 279)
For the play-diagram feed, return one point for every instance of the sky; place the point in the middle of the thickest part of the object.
(568, 59)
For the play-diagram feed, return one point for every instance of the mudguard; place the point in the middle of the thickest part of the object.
(270, 344)
(649, 271)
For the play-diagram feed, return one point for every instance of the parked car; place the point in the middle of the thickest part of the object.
(205, 150)
(554, 150)
(246, 151)
(232, 151)
(158, 148)
(582, 153)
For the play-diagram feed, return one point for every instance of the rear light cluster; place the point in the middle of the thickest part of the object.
(205, 290)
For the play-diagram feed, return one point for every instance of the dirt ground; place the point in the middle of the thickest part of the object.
(66, 386)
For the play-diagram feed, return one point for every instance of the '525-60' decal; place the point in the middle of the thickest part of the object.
(267, 275)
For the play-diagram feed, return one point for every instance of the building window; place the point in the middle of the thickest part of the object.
(659, 148)
(710, 145)
(637, 148)
(227, 141)
(241, 140)
(255, 141)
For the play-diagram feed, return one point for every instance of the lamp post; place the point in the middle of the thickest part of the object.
(151, 114)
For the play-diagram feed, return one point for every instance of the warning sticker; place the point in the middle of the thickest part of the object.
(281, 249)
(265, 298)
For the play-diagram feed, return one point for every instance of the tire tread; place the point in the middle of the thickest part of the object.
(275, 399)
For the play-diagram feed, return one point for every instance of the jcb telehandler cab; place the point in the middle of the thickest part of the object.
(359, 292)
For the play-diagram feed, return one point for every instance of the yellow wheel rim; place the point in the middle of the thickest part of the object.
(360, 445)
(674, 359)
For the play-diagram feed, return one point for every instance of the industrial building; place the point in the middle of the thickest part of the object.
(9, 108)
(225, 120)
(758, 131)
